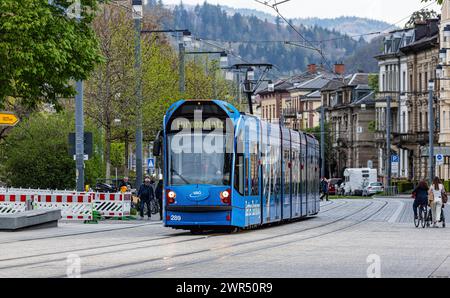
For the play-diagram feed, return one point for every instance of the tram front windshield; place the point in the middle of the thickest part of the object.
(198, 159)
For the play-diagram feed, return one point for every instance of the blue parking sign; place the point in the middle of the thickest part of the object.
(395, 158)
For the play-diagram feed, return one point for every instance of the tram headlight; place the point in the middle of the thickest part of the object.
(170, 196)
(225, 196)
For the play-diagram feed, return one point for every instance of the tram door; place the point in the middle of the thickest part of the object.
(287, 175)
(271, 173)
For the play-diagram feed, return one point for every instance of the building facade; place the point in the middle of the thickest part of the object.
(406, 65)
(350, 114)
(444, 91)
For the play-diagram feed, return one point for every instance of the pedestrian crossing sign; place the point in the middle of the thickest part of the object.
(151, 163)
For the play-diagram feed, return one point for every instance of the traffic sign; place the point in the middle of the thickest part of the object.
(395, 158)
(439, 160)
(8, 119)
(151, 163)
(395, 165)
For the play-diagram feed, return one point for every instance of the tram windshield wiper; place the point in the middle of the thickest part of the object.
(172, 170)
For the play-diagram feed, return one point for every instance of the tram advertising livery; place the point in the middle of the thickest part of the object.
(227, 170)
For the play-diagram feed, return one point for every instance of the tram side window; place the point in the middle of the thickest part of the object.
(239, 165)
(287, 172)
(239, 173)
(254, 167)
(246, 191)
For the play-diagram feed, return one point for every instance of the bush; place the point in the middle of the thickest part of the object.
(447, 185)
(405, 186)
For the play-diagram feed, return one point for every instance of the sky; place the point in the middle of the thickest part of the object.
(391, 11)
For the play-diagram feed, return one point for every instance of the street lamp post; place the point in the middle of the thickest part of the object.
(137, 16)
(250, 82)
(388, 141)
(431, 128)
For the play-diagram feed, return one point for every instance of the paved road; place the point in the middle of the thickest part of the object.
(348, 239)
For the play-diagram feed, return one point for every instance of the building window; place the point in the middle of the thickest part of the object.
(404, 82)
(420, 121)
(444, 119)
(420, 82)
(404, 122)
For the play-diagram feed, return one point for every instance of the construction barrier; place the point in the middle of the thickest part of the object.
(113, 204)
(73, 206)
(11, 203)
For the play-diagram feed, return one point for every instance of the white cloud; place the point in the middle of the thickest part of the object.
(392, 11)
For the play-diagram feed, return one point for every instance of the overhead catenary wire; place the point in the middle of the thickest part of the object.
(275, 8)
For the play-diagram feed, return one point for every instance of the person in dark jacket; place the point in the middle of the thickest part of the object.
(125, 185)
(159, 195)
(324, 188)
(146, 194)
(420, 196)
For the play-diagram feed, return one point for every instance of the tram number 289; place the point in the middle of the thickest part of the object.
(175, 217)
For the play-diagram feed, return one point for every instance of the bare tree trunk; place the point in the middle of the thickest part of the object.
(127, 149)
(108, 152)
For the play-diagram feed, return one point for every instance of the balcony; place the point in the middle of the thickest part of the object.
(405, 139)
(291, 113)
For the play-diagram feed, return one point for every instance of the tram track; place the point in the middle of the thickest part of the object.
(79, 233)
(267, 246)
(238, 244)
(122, 243)
(42, 262)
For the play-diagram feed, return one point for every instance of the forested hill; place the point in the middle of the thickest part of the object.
(258, 40)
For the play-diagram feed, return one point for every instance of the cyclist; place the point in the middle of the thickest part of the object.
(420, 196)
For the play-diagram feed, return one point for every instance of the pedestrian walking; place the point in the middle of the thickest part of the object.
(435, 198)
(159, 195)
(146, 193)
(324, 188)
(420, 196)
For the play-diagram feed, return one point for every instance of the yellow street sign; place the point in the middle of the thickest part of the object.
(8, 119)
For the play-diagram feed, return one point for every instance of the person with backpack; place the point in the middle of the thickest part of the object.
(436, 198)
(146, 194)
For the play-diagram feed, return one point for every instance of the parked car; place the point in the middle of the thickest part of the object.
(357, 179)
(373, 188)
(105, 188)
(333, 185)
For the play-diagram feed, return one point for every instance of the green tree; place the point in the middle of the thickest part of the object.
(42, 50)
(109, 91)
(36, 153)
(420, 15)
(374, 82)
(329, 152)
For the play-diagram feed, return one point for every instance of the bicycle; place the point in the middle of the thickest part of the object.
(429, 219)
(420, 220)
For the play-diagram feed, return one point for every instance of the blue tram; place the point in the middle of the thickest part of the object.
(225, 169)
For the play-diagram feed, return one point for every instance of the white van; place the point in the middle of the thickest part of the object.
(357, 179)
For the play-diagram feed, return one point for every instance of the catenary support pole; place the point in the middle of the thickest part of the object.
(79, 136)
(138, 67)
(431, 129)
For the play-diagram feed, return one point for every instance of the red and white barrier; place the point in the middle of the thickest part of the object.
(73, 206)
(112, 204)
(11, 203)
